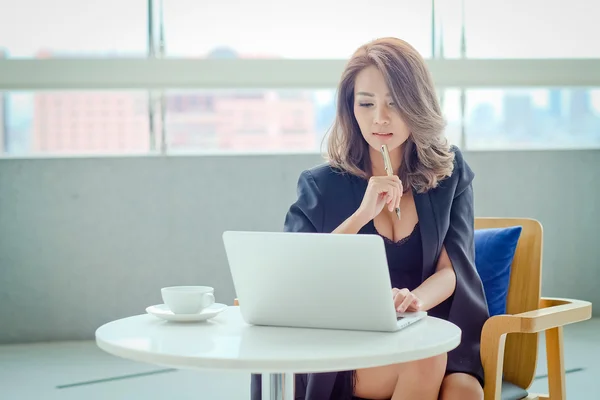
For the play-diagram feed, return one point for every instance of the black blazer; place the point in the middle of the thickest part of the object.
(327, 197)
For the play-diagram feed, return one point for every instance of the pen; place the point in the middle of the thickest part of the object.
(388, 168)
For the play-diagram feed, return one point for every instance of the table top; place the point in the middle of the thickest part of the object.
(226, 342)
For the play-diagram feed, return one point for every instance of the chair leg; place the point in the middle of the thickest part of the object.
(556, 364)
(492, 358)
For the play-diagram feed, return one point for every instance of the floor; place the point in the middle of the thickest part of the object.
(79, 370)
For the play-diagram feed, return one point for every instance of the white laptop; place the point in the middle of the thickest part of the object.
(313, 280)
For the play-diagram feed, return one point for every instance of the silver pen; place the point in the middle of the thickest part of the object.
(387, 162)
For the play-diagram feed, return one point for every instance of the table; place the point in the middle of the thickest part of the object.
(227, 343)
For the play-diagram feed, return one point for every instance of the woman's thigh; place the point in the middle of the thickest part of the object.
(379, 383)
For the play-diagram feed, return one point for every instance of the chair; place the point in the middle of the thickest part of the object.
(509, 342)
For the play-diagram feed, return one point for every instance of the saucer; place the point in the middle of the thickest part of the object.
(162, 311)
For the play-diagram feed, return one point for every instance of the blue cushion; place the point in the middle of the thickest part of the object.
(494, 253)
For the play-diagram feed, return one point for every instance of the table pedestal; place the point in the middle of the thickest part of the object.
(281, 387)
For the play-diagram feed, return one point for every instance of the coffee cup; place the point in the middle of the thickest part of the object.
(188, 299)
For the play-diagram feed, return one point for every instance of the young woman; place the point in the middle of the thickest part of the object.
(386, 96)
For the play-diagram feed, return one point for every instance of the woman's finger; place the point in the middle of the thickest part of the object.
(415, 305)
(406, 302)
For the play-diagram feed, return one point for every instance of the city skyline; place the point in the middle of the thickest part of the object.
(522, 121)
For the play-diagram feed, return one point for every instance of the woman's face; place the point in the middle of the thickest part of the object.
(378, 117)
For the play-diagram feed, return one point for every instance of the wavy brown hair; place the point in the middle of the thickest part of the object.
(427, 157)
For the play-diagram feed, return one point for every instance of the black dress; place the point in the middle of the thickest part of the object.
(405, 263)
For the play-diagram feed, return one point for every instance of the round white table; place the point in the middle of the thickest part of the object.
(227, 343)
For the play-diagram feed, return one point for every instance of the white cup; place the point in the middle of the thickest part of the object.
(188, 299)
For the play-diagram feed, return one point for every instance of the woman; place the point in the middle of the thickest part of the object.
(386, 96)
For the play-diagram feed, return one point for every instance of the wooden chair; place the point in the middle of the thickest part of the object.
(509, 342)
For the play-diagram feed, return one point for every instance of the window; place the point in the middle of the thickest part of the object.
(519, 28)
(118, 122)
(310, 29)
(242, 120)
(450, 100)
(551, 118)
(67, 28)
(74, 122)
(189, 103)
(192, 135)
(85, 85)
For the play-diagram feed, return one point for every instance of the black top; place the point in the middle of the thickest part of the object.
(405, 258)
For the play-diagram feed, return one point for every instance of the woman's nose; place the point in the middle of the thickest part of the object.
(381, 116)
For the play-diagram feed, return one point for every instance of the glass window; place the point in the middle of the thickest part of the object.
(279, 120)
(545, 118)
(520, 28)
(308, 29)
(249, 120)
(67, 28)
(450, 100)
(74, 123)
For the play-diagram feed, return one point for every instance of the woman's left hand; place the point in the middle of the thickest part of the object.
(405, 300)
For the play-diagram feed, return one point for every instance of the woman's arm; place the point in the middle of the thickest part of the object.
(381, 191)
(351, 225)
(439, 286)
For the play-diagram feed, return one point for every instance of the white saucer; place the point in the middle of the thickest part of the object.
(162, 311)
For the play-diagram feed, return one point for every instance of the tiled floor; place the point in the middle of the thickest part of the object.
(79, 370)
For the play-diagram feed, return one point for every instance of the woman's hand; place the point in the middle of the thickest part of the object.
(381, 191)
(405, 300)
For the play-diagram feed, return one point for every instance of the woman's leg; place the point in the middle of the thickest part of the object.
(414, 380)
(461, 386)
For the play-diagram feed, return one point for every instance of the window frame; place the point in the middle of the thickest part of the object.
(165, 74)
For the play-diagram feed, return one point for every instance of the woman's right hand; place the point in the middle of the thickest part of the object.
(381, 191)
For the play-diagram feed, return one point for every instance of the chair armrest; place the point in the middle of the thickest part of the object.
(553, 312)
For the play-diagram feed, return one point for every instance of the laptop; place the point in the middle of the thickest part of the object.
(314, 280)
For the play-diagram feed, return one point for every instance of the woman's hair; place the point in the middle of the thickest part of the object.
(427, 157)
